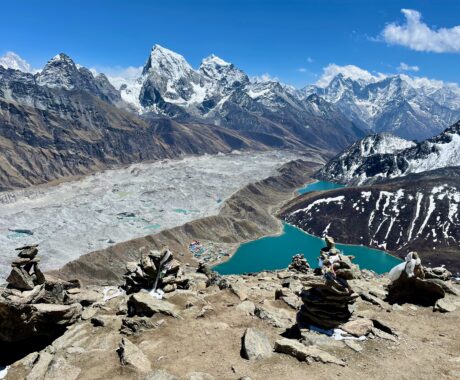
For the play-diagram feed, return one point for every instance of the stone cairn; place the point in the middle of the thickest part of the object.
(25, 274)
(155, 270)
(299, 263)
(326, 305)
(329, 303)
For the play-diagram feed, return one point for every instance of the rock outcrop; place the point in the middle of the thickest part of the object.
(33, 307)
(157, 270)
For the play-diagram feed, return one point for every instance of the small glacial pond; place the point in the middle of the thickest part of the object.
(275, 252)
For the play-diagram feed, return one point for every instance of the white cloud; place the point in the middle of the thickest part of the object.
(265, 78)
(405, 67)
(348, 71)
(418, 36)
(302, 70)
(310, 60)
(118, 75)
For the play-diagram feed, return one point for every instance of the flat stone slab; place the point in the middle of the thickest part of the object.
(144, 304)
(305, 353)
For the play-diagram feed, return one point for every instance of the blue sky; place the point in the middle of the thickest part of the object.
(292, 40)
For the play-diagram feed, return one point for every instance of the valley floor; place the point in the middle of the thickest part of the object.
(77, 217)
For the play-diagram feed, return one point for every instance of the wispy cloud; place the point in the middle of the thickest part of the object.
(302, 70)
(417, 35)
(119, 75)
(405, 67)
(310, 60)
(266, 77)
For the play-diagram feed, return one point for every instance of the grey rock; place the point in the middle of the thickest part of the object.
(256, 345)
(20, 279)
(444, 305)
(199, 376)
(160, 374)
(353, 344)
(131, 355)
(305, 353)
(143, 304)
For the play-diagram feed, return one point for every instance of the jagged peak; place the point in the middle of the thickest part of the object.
(161, 58)
(214, 60)
(61, 57)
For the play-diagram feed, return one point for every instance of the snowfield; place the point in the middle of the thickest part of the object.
(77, 217)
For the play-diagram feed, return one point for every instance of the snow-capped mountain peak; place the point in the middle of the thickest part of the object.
(167, 61)
(410, 107)
(214, 60)
(386, 156)
(60, 71)
(13, 61)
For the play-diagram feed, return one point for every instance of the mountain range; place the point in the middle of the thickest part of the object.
(66, 119)
(411, 108)
(384, 156)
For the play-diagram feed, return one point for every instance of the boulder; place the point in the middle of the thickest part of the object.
(131, 355)
(20, 279)
(415, 290)
(22, 321)
(305, 353)
(256, 345)
(144, 304)
(358, 327)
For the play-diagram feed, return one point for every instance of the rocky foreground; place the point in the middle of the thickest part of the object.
(245, 327)
(167, 316)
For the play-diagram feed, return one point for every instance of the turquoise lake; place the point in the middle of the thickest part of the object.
(275, 252)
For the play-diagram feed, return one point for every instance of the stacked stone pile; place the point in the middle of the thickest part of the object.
(32, 305)
(155, 270)
(326, 305)
(299, 263)
(25, 274)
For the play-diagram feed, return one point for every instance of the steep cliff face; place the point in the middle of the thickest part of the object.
(417, 212)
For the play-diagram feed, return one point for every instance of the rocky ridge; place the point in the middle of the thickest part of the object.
(380, 157)
(408, 107)
(415, 212)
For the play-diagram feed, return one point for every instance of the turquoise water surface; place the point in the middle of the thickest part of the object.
(275, 252)
(320, 185)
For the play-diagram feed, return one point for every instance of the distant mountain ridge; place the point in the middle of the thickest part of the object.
(412, 108)
(384, 156)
